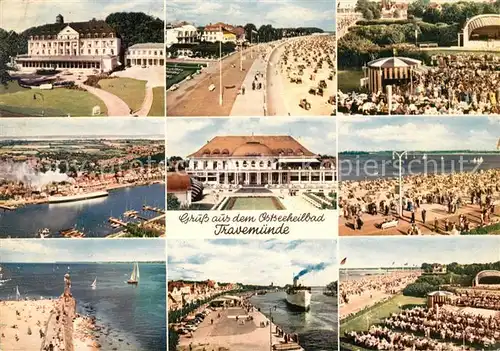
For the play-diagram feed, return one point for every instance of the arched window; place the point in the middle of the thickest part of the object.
(261, 164)
(237, 163)
(245, 164)
(253, 164)
(206, 152)
(225, 152)
(269, 164)
(216, 152)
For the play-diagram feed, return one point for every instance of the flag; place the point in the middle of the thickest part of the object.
(343, 261)
(394, 52)
(393, 263)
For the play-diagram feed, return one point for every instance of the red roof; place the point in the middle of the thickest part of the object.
(258, 145)
(177, 182)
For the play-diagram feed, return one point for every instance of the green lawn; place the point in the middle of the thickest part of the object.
(377, 314)
(158, 108)
(59, 102)
(349, 80)
(132, 91)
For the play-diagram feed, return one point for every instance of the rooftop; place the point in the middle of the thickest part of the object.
(148, 46)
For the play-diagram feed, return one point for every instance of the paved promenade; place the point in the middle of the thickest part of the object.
(252, 103)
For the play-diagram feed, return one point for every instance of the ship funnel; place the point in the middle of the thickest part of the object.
(295, 279)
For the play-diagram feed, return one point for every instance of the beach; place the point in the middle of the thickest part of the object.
(311, 60)
(453, 203)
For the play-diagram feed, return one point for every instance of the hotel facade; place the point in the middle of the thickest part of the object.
(146, 55)
(258, 161)
(92, 45)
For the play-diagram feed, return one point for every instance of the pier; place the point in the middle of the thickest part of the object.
(72, 233)
(154, 209)
(7, 208)
(113, 220)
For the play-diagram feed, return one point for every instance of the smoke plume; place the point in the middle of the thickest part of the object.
(311, 268)
(25, 173)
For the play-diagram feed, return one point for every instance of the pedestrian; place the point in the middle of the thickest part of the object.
(424, 213)
(243, 89)
(436, 225)
(412, 217)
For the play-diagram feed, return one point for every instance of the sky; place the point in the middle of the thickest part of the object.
(278, 13)
(372, 252)
(421, 133)
(19, 15)
(84, 250)
(187, 135)
(132, 128)
(258, 262)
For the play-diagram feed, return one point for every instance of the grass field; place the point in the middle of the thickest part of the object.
(158, 108)
(60, 102)
(377, 314)
(132, 91)
(177, 72)
(349, 80)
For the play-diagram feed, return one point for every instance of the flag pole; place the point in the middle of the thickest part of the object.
(220, 66)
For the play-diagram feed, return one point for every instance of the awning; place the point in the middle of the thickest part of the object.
(298, 160)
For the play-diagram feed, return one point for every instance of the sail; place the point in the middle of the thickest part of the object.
(18, 295)
(94, 283)
(498, 144)
(137, 264)
(133, 276)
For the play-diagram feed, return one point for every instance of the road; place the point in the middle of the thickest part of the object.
(193, 97)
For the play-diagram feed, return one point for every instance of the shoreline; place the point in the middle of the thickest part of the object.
(26, 202)
(30, 324)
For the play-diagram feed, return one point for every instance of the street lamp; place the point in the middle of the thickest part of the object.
(220, 65)
(400, 157)
(43, 102)
(271, 327)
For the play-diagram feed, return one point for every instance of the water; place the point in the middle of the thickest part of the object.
(89, 216)
(361, 167)
(135, 313)
(317, 328)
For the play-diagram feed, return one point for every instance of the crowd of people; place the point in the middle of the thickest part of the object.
(477, 299)
(390, 283)
(383, 338)
(308, 68)
(447, 324)
(450, 191)
(453, 84)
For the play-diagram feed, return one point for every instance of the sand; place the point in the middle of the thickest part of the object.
(41, 315)
(309, 51)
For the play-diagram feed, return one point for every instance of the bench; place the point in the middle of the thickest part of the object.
(390, 224)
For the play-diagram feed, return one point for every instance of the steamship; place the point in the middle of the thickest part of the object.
(77, 197)
(298, 296)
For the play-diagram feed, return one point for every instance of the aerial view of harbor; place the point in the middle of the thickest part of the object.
(61, 295)
(286, 300)
(252, 164)
(92, 179)
(252, 60)
(421, 294)
(408, 176)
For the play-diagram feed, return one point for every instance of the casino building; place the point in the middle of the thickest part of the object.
(258, 161)
(91, 45)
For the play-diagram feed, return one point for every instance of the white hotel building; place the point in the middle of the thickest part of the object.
(92, 45)
(259, 160)
(146, 55)
(185, 37)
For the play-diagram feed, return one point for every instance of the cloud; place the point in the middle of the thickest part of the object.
(19, 15)
(261, 262)
(186, 135)
(93, 250)
(82, 127)
(418, 134)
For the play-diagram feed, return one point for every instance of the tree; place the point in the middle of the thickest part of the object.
(173, 339)
(173, 202)
(136, 27)
(249, 28)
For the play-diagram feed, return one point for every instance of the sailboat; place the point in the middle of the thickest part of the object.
(18, 295)
(424, 157)
(134, 277)
(480, 160)
(474, 161)
(94, 283)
